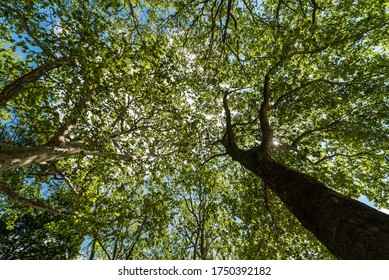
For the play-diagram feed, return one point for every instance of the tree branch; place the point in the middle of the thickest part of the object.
(138, 234)
(267, 131)
(13, 88)
(65, 178)
(24, 21)
(6, 190)
(278, 10)
(315, 7)
(302, 86)
(266, 197)
(211, 158)
(309, 132)
(321, 128)
(59, 138)
(104, 249)
(229, 139)
(25, 157)
(229, 8)
(134, 18)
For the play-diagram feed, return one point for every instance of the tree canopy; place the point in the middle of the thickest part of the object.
(215, 129)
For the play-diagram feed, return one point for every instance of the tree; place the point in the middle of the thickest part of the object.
(62, 152)
(109, 95)
(39, 236)
(312, 71)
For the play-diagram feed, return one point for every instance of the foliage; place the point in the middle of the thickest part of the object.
(38, 236)
(134, 89)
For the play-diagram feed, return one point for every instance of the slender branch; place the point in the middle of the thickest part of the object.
(256, 18)
(180, 10)
(194, 21)
(65, 178)
(321, 128)
(211, 158)
(278, 10)
(130, 130)
(24, 21)
(343, 39)
(92, 253)
(14, 87)
(122, 157)
(189, 205)
(301, 5)
(294, 91)
(5, 189)
(336, 42)
(104, 249)
(266, 196)
(305, 85)
(115, 247)
(229, 8)
(138, 234)
(311, 131)
(134, 18)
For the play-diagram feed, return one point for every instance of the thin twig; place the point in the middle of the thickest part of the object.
(65, 178)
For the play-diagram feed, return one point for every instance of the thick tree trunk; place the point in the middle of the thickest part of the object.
(347, 227)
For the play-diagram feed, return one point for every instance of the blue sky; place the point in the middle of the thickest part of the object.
(364, 200)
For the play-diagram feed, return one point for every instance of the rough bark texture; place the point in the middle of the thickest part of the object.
(348, 228)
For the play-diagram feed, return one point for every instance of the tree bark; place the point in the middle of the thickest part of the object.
(347, 227)
(24, 157)
(10, 90)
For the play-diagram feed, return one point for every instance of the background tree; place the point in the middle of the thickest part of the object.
(37, 236)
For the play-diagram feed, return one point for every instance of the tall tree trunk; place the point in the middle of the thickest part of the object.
(347, 227)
